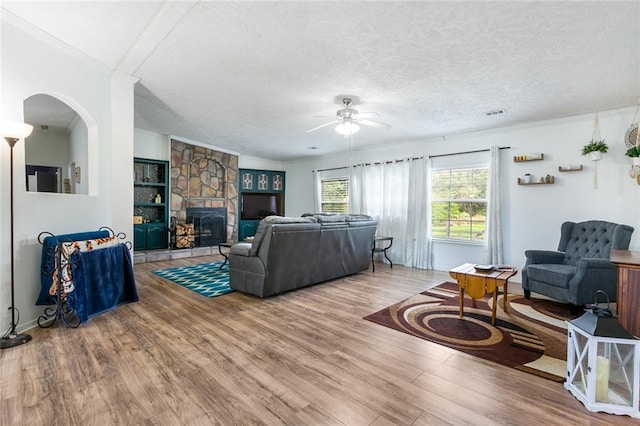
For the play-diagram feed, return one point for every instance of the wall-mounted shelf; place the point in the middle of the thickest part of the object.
(546, 182)
(523, 158)
(158, 184)
(148, 204)
(570, 169)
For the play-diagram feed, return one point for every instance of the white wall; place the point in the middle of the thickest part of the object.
(532, 214)
(34, 63)
(80, 156)
(248, 162)
(51, 149)
(120, 161)
(151, 145)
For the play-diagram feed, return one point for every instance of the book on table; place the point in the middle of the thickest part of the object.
(492, 267)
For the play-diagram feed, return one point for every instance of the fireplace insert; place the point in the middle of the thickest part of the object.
(210, 225)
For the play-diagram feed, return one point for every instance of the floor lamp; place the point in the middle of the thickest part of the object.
(13, 132)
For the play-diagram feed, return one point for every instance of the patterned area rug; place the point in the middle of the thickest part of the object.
(206, 278)
(531, 336)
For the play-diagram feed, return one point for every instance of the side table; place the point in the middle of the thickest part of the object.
(377, 249)
(226, 245)
(478, 282)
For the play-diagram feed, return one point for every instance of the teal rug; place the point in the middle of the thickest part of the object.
(206, 278)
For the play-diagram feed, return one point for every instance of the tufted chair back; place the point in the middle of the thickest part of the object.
(592, 239)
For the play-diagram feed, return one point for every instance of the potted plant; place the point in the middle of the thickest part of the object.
(634, 154)
(595, 148)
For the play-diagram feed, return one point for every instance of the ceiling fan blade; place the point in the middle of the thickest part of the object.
(368, 114)
(373, 123)
(323, 125)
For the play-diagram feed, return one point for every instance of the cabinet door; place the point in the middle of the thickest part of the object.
(156, 236)
(140, 237)
(247, 229)
(248, 180)
(628, 289)
(277, 181)
(263, 181)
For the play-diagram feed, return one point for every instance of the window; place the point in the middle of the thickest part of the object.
(335, 195)
(459, 203)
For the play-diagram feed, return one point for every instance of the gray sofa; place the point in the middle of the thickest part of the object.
(289, 253)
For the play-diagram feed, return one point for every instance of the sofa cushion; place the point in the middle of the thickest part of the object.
(267, 221)
(557, 275)
(331, 218)
(590, 239)
(284, 219)
(358, 218)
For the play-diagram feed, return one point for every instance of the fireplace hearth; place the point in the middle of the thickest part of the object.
(210, 225)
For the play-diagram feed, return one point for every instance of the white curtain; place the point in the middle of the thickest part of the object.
(317, 191)
(420, 255)
(395, 194)
(493, 233)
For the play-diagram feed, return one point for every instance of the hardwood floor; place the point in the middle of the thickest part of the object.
(305, 357)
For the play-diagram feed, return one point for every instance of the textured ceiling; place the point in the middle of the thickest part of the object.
(251, 76)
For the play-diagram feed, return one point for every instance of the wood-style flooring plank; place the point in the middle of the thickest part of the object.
(306, 357)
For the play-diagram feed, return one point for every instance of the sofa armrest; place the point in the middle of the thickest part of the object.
(594, 266)
(586, 263)
(591, 275)
(241, 249)
(543, 256)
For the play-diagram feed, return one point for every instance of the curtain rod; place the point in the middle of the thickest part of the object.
(368, 164)
(414, 158)
(332, 168)
(466, 152)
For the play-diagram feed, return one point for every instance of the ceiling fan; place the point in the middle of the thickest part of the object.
(348, 118)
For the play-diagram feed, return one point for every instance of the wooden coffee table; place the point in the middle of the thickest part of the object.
(477, 283)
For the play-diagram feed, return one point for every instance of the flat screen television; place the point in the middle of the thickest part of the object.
(259, 206)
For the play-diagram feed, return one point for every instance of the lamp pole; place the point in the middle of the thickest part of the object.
(11, 338)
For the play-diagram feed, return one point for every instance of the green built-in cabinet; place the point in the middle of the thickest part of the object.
(151, 201)
(261, 193)
(261, 181)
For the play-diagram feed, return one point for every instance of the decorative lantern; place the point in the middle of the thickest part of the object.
(603, 363)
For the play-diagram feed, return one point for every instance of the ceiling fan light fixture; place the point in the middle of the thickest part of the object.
(347, 128)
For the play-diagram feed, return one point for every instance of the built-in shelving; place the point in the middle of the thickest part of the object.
(150, 204)
(258, 187)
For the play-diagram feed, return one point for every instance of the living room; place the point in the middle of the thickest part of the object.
(35, 62)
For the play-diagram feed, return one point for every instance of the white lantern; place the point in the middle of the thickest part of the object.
(603, 364)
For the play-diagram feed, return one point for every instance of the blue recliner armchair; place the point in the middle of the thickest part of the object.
(581, 266)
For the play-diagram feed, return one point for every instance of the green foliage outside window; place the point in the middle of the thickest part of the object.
(335, 195)
(459, 203)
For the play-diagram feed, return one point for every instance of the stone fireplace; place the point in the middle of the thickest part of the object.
(204, 192)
